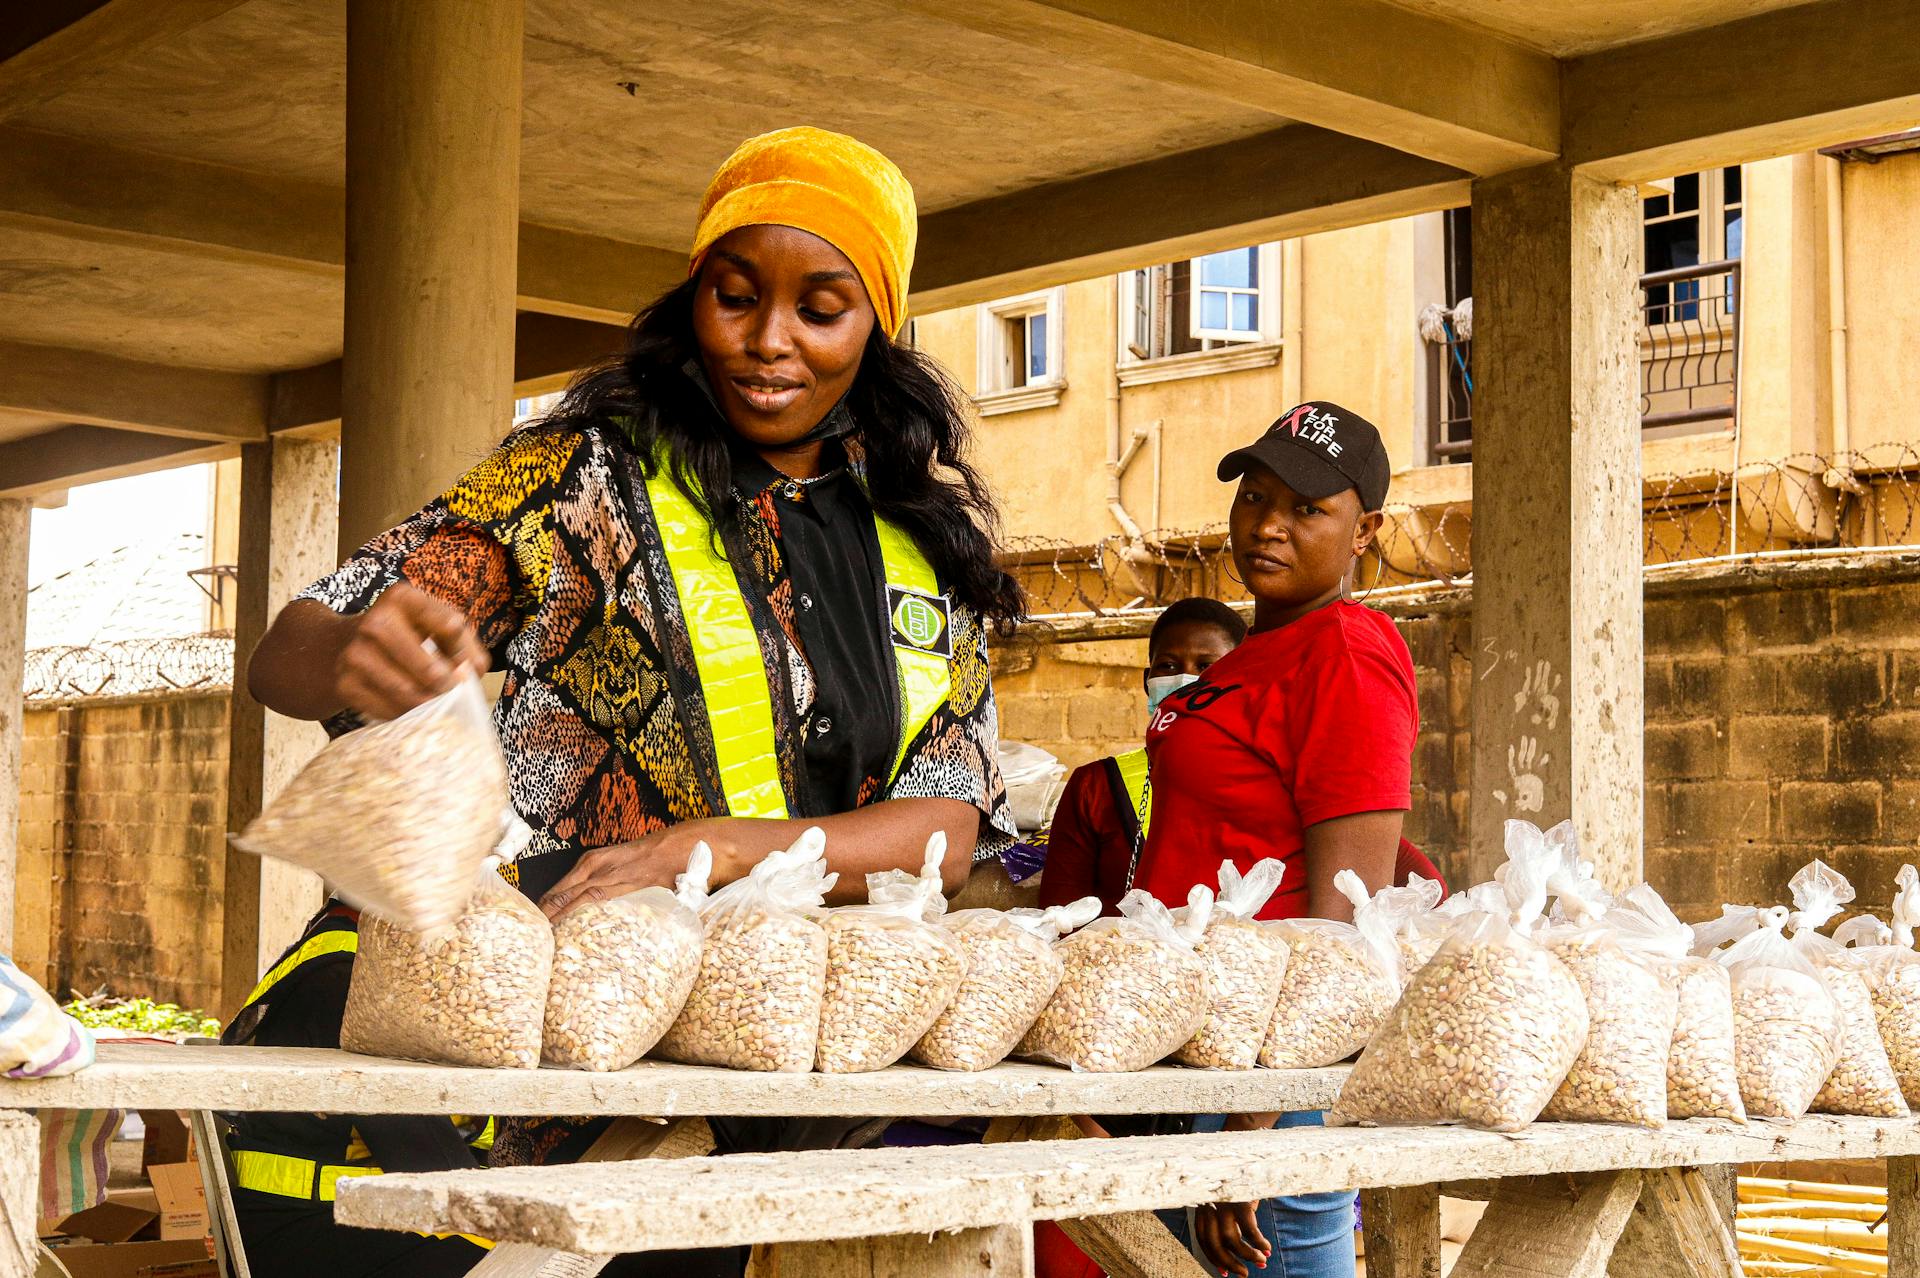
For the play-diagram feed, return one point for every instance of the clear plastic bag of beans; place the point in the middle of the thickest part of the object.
(1862, 1081)
(1885, 957)
(1620, 1075)
(1735, 921)
(471, 993)
(1341, 981)
(1246, 964)
(1420, 928)
(1012, 970)
(1132, 990)
(1701, 1080)
(891, 969)
(397, 816)
(1786, 1025)
(755, 1004)
(622, 970)
(1486, 1031)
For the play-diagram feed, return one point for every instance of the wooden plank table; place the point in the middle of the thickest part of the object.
(1566, 1195)
(154, 1076)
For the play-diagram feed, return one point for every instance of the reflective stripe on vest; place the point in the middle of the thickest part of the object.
(1132, 767)
(726, 651)
(288, 1177)
(338, 941)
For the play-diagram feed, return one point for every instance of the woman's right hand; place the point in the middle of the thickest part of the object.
(386, 668)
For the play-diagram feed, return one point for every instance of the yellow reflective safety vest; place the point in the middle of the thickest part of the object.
(727, 656)
(1133, 797)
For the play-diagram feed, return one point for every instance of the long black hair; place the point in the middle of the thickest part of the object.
(910, 432)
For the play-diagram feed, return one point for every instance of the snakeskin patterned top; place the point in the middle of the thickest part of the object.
(549, 546)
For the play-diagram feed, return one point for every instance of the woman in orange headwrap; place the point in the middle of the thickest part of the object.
(739, 580)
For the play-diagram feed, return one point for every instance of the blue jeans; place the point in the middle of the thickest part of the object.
(1312, 1234)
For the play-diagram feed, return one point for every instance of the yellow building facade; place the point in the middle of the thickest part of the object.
(1783, 360)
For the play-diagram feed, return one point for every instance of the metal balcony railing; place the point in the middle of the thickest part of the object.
(1689, 358)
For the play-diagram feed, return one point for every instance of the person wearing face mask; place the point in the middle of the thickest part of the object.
(1098, 829)
(739, 581)
(1297, 745)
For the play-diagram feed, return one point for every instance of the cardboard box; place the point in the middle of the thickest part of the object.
(182, 1200)
(182, 1259)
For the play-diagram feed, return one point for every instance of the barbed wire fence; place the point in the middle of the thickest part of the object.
(130, 668)
(1862, 499)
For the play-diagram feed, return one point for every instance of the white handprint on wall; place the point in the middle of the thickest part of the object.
(1524, 762)
(1542, 687)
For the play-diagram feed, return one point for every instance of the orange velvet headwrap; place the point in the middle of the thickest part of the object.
(841, 190)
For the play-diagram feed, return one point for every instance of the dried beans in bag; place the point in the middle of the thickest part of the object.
(397, 816)
(1246, 964)
(1701, 1079)
(473, 993)
(1486, 1031)
(1341, 981)
(891, 971)
(1786, 1026)
(1132, 991)
(1887, 959)
(622, 970)
(1012, 971)
(1862, 1081)
(763, 968)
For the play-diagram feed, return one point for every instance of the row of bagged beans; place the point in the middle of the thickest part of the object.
(1612, 1010)
(1534, 995)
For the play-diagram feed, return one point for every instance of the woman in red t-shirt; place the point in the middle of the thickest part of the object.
(1297, 744)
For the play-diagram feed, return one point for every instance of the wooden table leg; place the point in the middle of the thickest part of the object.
(19, 1192)
(1133, 1244)
(1550, 1227)
(1903, 1218)
(1678, 1230)
(1401, 1228)
(1003, 1251)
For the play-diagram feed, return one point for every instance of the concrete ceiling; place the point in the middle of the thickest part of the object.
(171, 204)
(1571, 28)
(966, 115)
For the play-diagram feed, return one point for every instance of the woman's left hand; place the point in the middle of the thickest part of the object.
(620, 868)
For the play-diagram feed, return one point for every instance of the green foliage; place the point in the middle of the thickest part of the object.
(142, 1016)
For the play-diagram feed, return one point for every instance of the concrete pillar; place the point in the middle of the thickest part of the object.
(15, 519)
(288, 517)
(433, 194)
(1558, 697)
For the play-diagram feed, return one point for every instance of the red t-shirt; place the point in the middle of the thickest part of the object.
(1088, 849)
(1296, 726)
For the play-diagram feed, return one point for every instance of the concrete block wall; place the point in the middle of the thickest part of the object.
(122, 847)
(1783, 723)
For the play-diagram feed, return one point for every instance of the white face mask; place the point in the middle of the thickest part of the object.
(1160, 687)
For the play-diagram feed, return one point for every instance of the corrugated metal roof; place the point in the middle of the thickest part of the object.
(136, 592)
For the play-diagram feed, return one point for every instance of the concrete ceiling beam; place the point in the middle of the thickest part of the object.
(1293, 181)
(95, 192)
(73, 455)
(1773, 84)
(548, 350)
(88, 388)
(48, 46)
(1367, 68)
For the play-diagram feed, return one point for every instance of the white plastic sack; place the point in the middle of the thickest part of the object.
(1034, 780)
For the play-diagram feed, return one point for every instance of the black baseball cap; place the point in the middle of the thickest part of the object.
(1318, 449)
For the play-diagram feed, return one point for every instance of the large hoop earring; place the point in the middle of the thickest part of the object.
(1379, 571)
(1226, 565)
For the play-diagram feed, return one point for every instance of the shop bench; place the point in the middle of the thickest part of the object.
(1566, 1200)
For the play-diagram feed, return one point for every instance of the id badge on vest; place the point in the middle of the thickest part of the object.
(920, 622)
